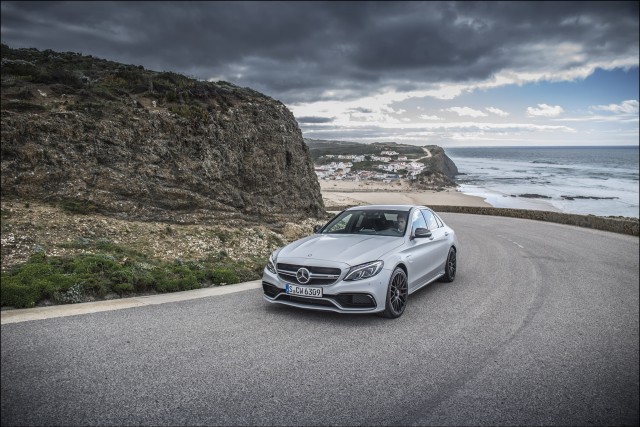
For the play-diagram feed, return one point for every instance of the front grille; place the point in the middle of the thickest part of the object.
(319, 275)
(355, 300)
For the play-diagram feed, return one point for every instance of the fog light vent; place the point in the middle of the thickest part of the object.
(356, 300)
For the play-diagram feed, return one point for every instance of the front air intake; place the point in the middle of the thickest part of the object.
(270, 290)
(355, 300)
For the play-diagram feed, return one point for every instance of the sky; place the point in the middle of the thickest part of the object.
(446, 73)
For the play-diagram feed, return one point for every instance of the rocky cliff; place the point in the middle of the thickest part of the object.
(439, 171)
(134, 143)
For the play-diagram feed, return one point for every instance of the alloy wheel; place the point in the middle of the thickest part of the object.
(398, 292)
(451, 264)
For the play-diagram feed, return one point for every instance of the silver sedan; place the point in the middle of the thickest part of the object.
(367, 259)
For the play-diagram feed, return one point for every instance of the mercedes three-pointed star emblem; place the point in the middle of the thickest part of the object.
(303, 275)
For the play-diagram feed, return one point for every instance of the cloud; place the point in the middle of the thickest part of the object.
(437, 49)
(352, 68)
(456, 127)
(545, 110)
(314, 119)
(627, 107)
(497, 111)
(361, 110)
(466, 111)
(421, 132)
(427, 117)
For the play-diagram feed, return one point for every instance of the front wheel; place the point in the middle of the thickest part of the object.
(397, 293)
(450, 267)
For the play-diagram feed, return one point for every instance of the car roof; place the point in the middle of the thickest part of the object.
(385, 207)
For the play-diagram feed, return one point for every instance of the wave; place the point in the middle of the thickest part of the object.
(545, 162)
(583, 181)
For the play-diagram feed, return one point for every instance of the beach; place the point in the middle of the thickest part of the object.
(337, 193)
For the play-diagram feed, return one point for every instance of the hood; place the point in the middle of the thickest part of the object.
(347, 249)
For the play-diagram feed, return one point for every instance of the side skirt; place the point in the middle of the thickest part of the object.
(426, 283)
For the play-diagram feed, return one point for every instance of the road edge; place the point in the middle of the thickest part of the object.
(40, 313)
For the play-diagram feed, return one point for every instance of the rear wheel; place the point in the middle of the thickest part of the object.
(450, 267)
(397, 293)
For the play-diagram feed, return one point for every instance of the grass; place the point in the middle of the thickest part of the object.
(106, 268)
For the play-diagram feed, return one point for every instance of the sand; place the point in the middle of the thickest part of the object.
(350, 193)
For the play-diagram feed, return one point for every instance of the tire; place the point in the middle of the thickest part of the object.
(450, 267)
(397, 294)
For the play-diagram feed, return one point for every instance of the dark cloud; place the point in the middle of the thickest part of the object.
(315, 119)
(299, 51)
(361, 110)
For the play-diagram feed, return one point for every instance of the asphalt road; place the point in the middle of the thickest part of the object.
(539, 328)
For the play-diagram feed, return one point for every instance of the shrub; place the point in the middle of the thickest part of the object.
(114, 269)
(78, 206)
(122, 288)
(223, 275)
(16, 295)
(61, 76)
(23, 106)
(142, 281)
(72, 295)
(94, 264)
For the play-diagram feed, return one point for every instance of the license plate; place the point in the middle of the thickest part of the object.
(303, 291)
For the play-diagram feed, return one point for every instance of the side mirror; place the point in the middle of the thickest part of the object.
(421, 233)
(316, 228)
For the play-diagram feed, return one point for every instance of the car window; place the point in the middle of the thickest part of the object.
(339, 226)
(432, 224)
(417, 221)
(440, 222)
(376, 222)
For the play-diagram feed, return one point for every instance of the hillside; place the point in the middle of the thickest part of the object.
(439, 170)
(319, 148)
(137, 144)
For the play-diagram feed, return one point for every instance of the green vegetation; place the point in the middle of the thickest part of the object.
(366, 166)
(96, 80)
(319, 148)
(78, 206)
(106, 268)
(191, 112)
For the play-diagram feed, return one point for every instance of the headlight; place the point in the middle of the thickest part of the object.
(271, 264)
(364, 271)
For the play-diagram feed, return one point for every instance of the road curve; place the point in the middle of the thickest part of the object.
(540, 327)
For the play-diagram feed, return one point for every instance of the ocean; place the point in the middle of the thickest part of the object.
(599, 181)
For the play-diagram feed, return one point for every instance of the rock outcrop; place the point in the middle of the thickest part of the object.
(439, 171)
(134, 143)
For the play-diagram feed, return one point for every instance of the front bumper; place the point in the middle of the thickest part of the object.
(362, 296)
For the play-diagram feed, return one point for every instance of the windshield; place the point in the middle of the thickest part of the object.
(379, 222)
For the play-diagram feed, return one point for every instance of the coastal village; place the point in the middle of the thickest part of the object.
(387, 167)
